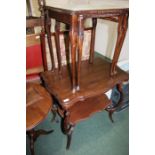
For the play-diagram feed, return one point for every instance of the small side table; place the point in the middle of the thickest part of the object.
(74, 13)
(38, 105)
(80, 111)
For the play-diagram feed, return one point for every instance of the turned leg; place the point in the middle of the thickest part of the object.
(122, 28)
(80, 45)
(48, 31)
(73, 40)
(92, 44)
(57, 41)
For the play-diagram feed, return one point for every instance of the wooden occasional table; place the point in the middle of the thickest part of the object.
(88, 78)
(38, 105)
(74, 13)
(83, 81)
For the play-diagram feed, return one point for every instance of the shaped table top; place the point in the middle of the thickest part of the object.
(99, 81)
(78, 5)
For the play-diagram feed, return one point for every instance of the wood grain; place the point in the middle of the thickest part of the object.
(95, 79)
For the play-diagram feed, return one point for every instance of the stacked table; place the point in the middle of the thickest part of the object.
(80, 87)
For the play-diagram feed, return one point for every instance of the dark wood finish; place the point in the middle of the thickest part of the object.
(89, 79)
(84, 109)
(113, 19)
(57, 41)
(122, 28)
(110, 109)
(43, 48)
(73, 39)
(81, 111)
(38, 105)
(74, 19)
(92, 45)
(95, 79)
(33, 135)
(80, 45)
(48, 31)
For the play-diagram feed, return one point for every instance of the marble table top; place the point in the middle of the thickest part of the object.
(78, 5)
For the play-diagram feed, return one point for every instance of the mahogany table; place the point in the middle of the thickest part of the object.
(80, 86)
(38, 105)
(74, 13)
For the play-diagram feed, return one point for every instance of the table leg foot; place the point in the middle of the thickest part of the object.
(33, 135)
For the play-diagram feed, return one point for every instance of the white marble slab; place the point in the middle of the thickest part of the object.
(77, 5)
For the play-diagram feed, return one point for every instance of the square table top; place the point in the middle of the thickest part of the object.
(80, 5)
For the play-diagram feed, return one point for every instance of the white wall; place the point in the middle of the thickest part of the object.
(106, 34)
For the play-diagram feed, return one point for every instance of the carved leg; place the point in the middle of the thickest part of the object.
(73, 40)
(80, 45)
(48, 31)
(69, 137)
(111, 110)
(68, 129)
(33, 135)
(92, 45)
(110, 115)
(41, 132)
(122, 28)
(57, 41)
(54, 113)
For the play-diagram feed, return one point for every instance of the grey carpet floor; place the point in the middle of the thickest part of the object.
(94, 136)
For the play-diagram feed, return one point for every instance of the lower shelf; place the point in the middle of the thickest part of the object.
(84, 109)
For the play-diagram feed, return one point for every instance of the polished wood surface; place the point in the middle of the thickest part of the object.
(80, 87)
(81, 111)
(75, 19)
(93, 35)
(38, 104)
(84, 109)
(95, 79)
